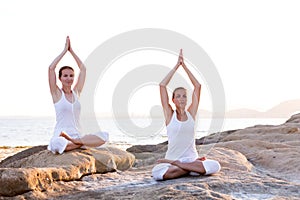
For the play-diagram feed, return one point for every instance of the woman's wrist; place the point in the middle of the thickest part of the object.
(174, 162)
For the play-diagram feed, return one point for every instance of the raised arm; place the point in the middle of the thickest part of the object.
(82, 73)
(196, 93)
(54, 90)
(168, 111)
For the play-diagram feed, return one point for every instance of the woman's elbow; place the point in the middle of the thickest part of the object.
(162, 85)
(197, 86)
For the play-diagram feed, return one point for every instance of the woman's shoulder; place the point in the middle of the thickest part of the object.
(76, 93)
(190, 115)
(57, 95)
(170, 117)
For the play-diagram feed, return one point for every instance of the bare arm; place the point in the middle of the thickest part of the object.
(164, 94)
(54, 90)
(196, 93)
(82, 74)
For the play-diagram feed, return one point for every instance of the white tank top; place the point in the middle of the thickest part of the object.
(67, 116)
(181, 139)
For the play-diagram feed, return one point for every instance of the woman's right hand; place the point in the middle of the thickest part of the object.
(67, 44)
(180, 58)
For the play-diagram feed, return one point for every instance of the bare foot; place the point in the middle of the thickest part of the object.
(83, 147)
(65, 135)
(75, 141)
(72, 146)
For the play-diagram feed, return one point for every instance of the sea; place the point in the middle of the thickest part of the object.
(34, 131)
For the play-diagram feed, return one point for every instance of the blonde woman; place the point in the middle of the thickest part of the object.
(181, 157)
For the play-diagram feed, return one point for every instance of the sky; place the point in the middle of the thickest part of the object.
(254, 45)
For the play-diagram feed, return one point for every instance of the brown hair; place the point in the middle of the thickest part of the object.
(61, 69)
(179, 88)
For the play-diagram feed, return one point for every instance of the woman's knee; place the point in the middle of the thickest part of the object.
(159, 171)
(211, 166)
(58, 145)
(104, 136)
(166, 171)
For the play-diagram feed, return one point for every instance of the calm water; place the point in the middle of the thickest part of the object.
(38, 131)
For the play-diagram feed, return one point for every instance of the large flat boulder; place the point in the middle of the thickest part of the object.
(37, 168)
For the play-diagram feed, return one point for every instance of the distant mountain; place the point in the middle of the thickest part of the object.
(283, 110)
(243, 113)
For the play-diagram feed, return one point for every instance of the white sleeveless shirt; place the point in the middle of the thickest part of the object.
(181, 139)
(67, 116)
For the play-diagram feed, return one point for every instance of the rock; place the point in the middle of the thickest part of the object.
(277, 159)
(259, 162)
(147, 148)
(238, 179)
(294, 119)
(39, 170)
(6, 151)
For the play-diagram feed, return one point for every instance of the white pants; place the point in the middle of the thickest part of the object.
(210, 166)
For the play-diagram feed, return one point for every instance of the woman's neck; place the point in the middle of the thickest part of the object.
(67, 90)
(180, 111)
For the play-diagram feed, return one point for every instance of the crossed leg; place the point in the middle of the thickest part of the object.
(87, 140)
(178, 168)
(174, 172)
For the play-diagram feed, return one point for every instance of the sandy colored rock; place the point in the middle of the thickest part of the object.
(259, 162)
(37, 171)
(10, 151)
(238, 179)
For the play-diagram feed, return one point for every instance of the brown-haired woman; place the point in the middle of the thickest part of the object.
(67, 133)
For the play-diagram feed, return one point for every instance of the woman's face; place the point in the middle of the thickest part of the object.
(67, 77)
(180, 98)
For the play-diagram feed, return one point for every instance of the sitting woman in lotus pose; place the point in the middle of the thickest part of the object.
(67, 134)
(181, 157)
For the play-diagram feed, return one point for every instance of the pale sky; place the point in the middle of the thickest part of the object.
(255, 46)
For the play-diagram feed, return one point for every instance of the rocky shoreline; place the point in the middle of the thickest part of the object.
(259, 162)
(6, 151)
